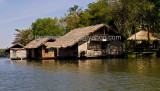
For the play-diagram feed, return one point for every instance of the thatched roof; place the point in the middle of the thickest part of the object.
(16, 45)
(142, 35)
(37, 43)
(74, 36)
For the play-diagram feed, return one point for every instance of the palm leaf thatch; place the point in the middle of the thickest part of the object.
(142, 35)
(15, 46)
(37, 43)
(76, 35)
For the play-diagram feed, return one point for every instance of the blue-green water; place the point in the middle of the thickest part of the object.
(141, 74)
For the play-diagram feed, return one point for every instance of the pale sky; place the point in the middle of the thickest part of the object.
(19, 14)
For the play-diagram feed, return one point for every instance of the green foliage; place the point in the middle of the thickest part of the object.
(121, 15)
(71, 20)
(154, 55)
(96, 13)
(23, 36)
(2, 53)
(47, 27)
(131, 55)
(125, 15)
(85, 19)
(129, 47)
(99, 12)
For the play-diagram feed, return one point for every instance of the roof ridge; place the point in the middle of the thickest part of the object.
(88, 26)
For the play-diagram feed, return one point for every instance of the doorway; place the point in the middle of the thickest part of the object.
(14, 53)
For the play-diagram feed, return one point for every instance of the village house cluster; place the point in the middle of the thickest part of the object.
(111, 44)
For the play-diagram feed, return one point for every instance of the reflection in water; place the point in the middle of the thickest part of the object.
(94, 66)
(88, 74)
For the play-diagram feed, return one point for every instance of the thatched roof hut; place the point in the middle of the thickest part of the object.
(17, 51)
(37, 43)
(142, 35)
(74, 36)
(15, 46)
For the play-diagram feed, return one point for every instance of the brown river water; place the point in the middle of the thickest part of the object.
(129, 74)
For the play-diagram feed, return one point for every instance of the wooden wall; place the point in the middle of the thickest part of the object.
(20, 53)
(39, 53)
(82, 48)
(69, 51)
(112, 48)
(115, 48)
(96, 48)
(46, 54)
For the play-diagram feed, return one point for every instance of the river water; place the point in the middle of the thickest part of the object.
(134, 74)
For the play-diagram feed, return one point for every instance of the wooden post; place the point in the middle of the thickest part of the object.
(148, 35)
(57, 52)
(135, 37)
(42, 52)
(104, 31)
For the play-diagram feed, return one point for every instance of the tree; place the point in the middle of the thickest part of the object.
(23, 36)
(126, 14)
(152, 15)
(2, 53)
(47, 27)
(71, 20)
(97, 13)
(121, 15)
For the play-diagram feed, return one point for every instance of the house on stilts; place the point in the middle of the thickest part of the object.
(16, 52)
(92, 41)
(36, 49)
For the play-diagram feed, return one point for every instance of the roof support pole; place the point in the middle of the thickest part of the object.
(104, 30)
(148, 35)
(57, 52)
